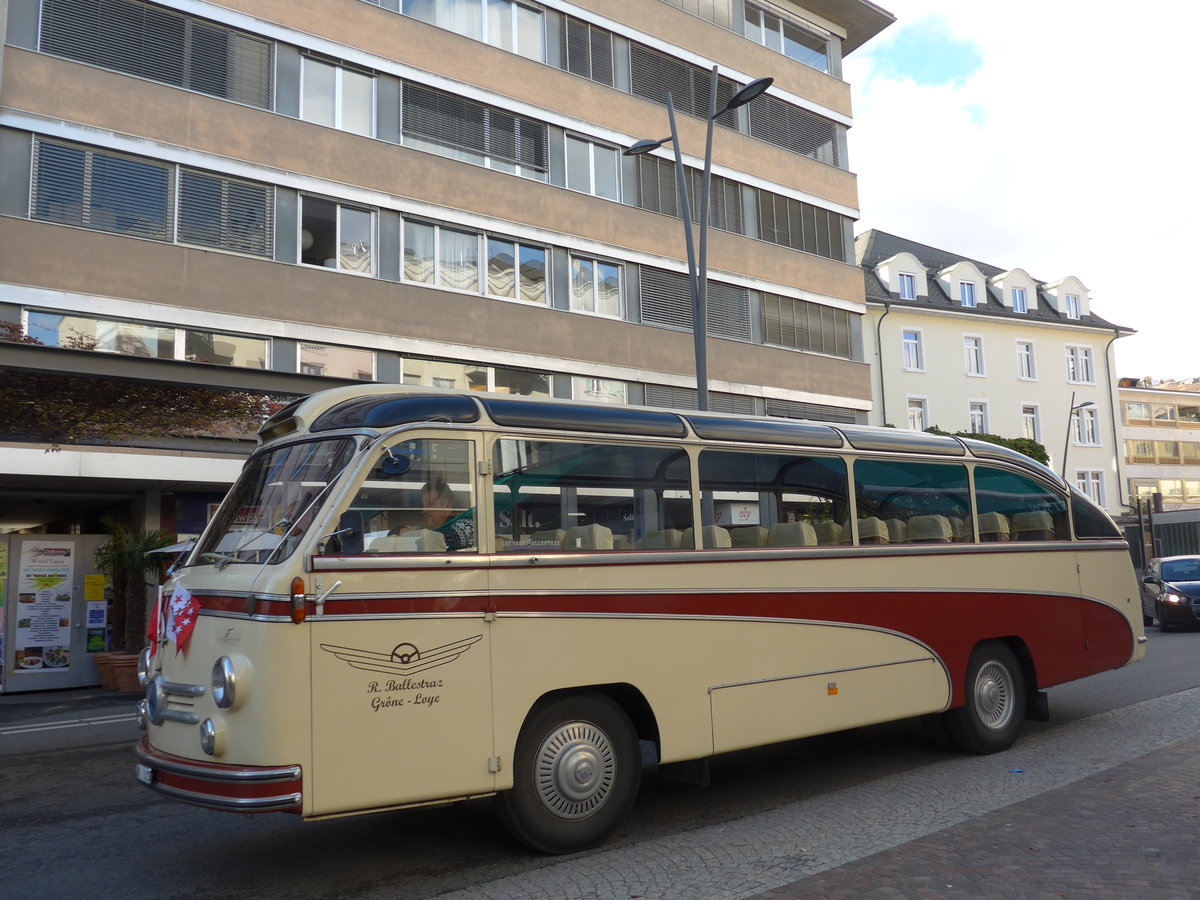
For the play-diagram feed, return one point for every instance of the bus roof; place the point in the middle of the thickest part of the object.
(383, 406)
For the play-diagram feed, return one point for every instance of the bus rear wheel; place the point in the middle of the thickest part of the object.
(575, 775)
(992, 717)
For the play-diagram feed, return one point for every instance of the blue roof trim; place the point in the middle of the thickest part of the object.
(388, 410)
(765, 432)
(577, 417)
(895, 440)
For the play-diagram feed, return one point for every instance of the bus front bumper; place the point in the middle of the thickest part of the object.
(218, 786)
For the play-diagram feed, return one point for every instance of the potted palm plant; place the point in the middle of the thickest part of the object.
(126, 558)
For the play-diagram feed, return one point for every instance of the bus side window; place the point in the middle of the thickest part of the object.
(772, 499)
(1028, 510)
(418, 498)
(902, 502)
(562, 496)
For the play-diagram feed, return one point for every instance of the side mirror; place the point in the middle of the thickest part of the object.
(1149, 579)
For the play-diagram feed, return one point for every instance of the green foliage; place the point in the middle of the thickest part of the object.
(126, 558)
(1028, 446)
(71, 409)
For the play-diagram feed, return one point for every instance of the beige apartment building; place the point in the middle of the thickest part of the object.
(973, 347)
(280, 196)
(1160, 432)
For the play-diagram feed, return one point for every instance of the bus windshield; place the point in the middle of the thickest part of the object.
(273, 503)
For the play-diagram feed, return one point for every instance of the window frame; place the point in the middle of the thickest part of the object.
(596, 263)
(1072, 307)
(974, 363)
(339, 97)
(339, 207)
(906, 285)
(1026, 360)
(1023, 306)
(967, 296)
(916, 402)
(978, 409)
(916, 345)
(1032, 412)
(592, 166)
(1086, 480)
(1080, 369)
(1086, 427)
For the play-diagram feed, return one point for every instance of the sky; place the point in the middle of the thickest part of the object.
(1061, 137)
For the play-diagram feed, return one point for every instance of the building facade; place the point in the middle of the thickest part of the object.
(283, 195)
(1160, 436)
(967, 346)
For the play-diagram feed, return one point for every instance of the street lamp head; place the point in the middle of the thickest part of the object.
(645, 146)
(1085, 403)
(748, 93)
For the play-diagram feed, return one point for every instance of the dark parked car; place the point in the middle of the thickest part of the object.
(1171, 591)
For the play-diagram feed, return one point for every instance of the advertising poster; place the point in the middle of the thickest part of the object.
(97, 612)
(45, 573)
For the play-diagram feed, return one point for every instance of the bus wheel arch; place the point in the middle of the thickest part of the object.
(576, 772)
(993, 712)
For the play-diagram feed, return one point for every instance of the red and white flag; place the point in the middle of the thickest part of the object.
(154, 626)
(182, 611)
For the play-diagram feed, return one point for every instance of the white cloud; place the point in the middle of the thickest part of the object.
(1068, 150)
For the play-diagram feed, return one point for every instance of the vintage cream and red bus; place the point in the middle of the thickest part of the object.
(412, 597)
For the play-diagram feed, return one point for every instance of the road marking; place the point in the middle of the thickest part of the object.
(70, 723)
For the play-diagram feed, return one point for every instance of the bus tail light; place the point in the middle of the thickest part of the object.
(298, 598)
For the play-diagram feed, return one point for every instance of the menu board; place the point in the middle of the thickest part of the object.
(45, 575)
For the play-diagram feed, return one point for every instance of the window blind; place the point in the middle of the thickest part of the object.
(455, 122)
(142, 39)
(224, 212)
(666, 300)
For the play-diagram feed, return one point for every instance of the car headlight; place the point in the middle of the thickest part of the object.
(212, 736)
(231, 681)
(1175, 598)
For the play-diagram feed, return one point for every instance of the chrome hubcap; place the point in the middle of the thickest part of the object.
(574, 770)
(993, 695)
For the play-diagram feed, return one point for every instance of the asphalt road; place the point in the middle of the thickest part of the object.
(77, 825)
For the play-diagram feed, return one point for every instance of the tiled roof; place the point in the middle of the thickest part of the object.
(877, 246)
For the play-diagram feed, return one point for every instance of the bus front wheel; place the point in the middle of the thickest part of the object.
(575, 775)
(991, 719)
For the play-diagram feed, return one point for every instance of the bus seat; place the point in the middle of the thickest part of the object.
(350, 541)
(418, 540)
(550, 537)
(792, 534)
(587, 537)
(714, 536)
(872, 530)
(993, 526)
(958, 530)
(660, 540)
(1033, 525)
(748, 536)
(929, 529)
(828, 533)
(897, 531)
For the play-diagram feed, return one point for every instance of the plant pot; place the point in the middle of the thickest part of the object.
(104, 667)
(124, 669)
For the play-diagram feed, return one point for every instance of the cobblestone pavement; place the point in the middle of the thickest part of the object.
(1130, 832)
(1102, 807)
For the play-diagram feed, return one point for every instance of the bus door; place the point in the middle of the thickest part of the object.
(401, 655)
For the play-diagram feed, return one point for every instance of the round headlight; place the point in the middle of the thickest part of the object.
(212, 737)
(144, 667)
(224, 682)
(156, 700)
(231, 681)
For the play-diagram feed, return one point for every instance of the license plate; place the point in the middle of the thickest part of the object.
(144, 773)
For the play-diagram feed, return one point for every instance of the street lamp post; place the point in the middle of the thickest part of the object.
(698, 269)
(1070, 415)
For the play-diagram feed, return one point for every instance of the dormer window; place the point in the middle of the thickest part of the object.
(907, 286)
(1071, 307)
(966, 293)
(1019, 304)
